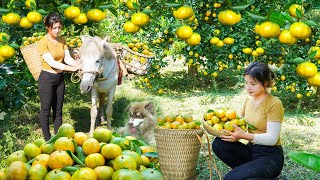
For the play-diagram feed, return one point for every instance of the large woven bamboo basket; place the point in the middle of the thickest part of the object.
(32, 58)
(178, 151)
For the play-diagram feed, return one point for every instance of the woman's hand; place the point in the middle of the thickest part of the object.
(234, 136)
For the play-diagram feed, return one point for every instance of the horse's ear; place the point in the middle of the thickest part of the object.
(85, 38)
(106, 39)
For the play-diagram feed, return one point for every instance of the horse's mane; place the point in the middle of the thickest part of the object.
(92, 45)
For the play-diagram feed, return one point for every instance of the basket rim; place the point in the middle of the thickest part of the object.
(209, 129)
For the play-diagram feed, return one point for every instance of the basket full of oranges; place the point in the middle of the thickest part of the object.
(214, 121)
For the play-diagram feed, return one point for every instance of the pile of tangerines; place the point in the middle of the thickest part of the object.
(75, 155)
(224, 119)
(178, 122)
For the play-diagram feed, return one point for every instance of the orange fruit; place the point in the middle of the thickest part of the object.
(184, 12)
(217, 127)
(111, 151)
(29, 2)
(235, 122)
(102, 134)
(306, 69)
(145, 149)
(129, 174)
(17, 156)
(64, 143)
(31, 150)
(124, 161)
(47, 148)
(293, 8)
(188, 118)
(91, 146)
(41, 159)
(25, 23)
(104, 172)
(37, 171)
(184, 32)
(145, 161)
(215, 120)
(129, 4)
(34, 17)
(94, 160)
(95, 15)
(84, 173)
(151, 173)
(247, 50)
(71, 12)
(314, 80)
(180, 118)
(129, 27)
(228, 40)
(122, 142)
(220, 113)
(3, 174)
(133, 154)
(57, 174)
(59, 159)
(300, 30)
(214, 40)
(39, 142)
(194, 39)
(170, 118)
(140, 19)
(80, 137)
(66, 130)
(269, 29)
(228, 126)
(17, 171)
(229, 17)
(81, 19)
(11, 18)
(231, 114)
(7, 51)
(317, 49)
(175, 124)
(287, 38)
(208, 116)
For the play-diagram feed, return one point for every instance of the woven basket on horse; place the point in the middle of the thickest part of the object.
(178, 151)
(32, 58)
(135, 62)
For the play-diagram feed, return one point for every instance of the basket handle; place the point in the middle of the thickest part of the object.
(210, 157)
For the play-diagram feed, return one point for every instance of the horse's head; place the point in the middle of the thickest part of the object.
(93, 54)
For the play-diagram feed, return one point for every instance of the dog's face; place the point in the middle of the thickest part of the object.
(141, 114)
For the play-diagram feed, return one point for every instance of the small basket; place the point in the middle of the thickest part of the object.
(178, 151)
(32, 58)
(135, 62)
(209, 129)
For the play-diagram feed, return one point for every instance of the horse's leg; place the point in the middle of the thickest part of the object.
(94, 110)
(109, 106)
(102, 100)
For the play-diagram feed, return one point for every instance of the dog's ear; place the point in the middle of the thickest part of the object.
(150, 107)
(128, 107)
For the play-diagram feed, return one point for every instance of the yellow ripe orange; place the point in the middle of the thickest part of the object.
(292, 9)
(269, 30)
(317, 49)
(104, 172)
(214, 40)
(31, 150)
(300, 30)
(37, 171)
(64, 143)
(59, 159)
(220, 113)
(228, 126)
(47, 148)
(184, 12)
(314, 80)
(80, 137)
(84, 173)
(34, 17)
(94, 160)
(102, 134)
(25, 23)
(286, 37)
(17, 171)
(90, 146)
(81, 19)
(28, 3)
(260, 50)
(129, 4)
(194, 40)
(11, 18)
(71, 12)
(306, 69)
(111, 151)
(124, 161)
(129, 27)
(228, 40)
(66, 130)
(95, 15)
(175, 124)
(4, 37)
(146, 149)
(184, 32)
(58, 174)
(231, 114)
(140, 19)
(7, 52)
(220, 43)
(257, 28)
(17, 156)
(229, 17)
(247, 50)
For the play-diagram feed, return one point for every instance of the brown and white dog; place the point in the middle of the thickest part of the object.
(142, 121)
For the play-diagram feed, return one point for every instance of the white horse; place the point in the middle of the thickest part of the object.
(99, 74)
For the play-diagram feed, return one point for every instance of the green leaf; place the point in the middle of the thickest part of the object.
(285, 7)
(75, 158)
(151, 154)
(15, 46)
(172, 4)
(42, 11)
(63, 6)
(312, 23)
(70, 168)
(278, 18)
(135, 5)
(240, 7)
(312, 54)
(296, 60)
(2, 83)
(298, 13)
(147, 11)
(142, 143)
(115, 134)
(137, 149)
(250, 126)
(3, 10)
(197, 122)
(113, 11)
(210, 110)
(80, 154)
(106, 6)
(308, 160)
(256, 16)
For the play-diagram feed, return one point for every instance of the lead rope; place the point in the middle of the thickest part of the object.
(210, 157)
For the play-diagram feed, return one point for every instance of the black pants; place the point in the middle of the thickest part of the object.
(249, 161)
(51, 91)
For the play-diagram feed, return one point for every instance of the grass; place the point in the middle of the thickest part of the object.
(183, 95)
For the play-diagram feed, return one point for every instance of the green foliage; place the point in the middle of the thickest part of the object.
(308, 160)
